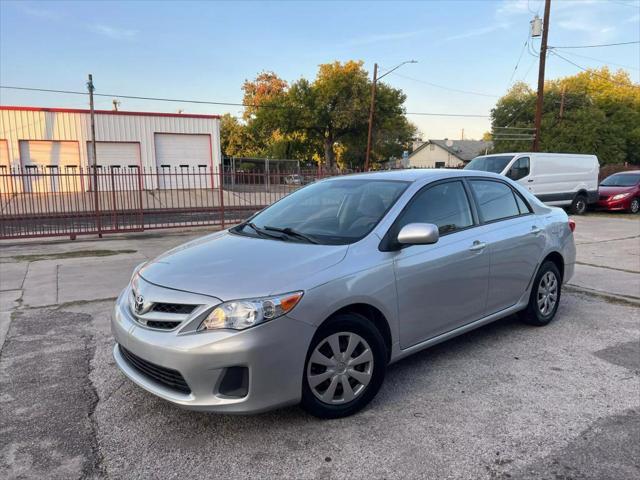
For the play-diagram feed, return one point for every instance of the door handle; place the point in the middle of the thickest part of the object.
(530, 180)
(535, 230)
(477, 246)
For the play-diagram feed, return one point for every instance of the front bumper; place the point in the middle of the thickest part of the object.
(614, 205)
(274, 354)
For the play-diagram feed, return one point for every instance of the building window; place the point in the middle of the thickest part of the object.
(439, 164)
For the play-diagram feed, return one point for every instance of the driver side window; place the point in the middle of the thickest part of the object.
(444, 205)
(519, 169)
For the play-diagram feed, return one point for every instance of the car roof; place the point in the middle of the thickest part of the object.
(627, 172)
(417, 174)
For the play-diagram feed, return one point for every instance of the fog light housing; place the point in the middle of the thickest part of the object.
(235, 382)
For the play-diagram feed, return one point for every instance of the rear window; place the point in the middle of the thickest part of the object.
(495, 200)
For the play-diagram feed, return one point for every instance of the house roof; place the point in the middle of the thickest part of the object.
(465, 150)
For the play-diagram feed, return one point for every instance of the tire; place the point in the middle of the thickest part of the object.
(342, 399)
(535, 313)
(579, 205)
(634, 206)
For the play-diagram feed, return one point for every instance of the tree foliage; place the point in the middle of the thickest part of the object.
(593, 112)
(325, 119)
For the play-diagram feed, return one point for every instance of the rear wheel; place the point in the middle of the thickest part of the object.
(634, 206)
(545, 296)
(345, 367)
(579, 205)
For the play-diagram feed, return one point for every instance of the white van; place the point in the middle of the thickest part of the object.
(559, 179)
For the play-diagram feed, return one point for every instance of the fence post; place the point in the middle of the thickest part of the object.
(140, 185)
(114, 214)
(221, 179)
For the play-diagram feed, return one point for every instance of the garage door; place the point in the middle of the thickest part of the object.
(44, 159)
(114, 162)
(115, 154)
(183, 161)
(4, 154)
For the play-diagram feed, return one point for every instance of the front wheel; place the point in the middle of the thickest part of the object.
(345, 367)
(634, 206)
(545, 296)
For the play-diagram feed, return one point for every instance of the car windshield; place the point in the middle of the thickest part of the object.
(493, 163)
(621, 180)
(332, 212)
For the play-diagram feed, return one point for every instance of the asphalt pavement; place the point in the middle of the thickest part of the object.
(504, 401)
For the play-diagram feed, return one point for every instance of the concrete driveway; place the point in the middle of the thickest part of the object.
(504, 401)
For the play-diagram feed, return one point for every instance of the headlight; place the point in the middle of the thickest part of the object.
(241, 314)
(620, 196)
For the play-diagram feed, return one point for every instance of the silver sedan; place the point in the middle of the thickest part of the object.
(310, 299)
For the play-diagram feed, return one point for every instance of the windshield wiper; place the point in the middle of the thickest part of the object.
(292, 233)
(259, 230)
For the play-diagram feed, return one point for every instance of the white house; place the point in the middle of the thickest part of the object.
(446, 153)
(59, 139)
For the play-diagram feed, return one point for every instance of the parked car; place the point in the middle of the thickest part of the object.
(621, 191)
(559, 179)
(293, 179)
(311, 299)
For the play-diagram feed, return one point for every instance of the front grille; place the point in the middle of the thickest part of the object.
(173, 308)
(170, 378)
(162, 325)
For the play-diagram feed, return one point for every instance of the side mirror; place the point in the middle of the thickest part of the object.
(418, 234)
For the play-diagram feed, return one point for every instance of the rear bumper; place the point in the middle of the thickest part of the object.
(274, 354)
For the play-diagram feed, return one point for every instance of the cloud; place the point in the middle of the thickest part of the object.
(115, 33)
(476, 32)
(384, 37)
(633, 19)
(42, 13)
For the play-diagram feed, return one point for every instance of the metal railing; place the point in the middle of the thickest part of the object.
(37, 201)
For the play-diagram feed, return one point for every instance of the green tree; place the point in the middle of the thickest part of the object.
(596, 112)
(330, 115)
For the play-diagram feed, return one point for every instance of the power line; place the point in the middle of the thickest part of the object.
(473, 115)
(600, 45)
(524, 45)
(443, 87)
(592, 72)
(600, 60)
(205, 102)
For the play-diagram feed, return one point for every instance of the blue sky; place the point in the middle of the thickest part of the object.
(205, 50)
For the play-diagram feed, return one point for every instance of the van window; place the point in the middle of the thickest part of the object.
(492, 163)
(519, 169)
(495, 200)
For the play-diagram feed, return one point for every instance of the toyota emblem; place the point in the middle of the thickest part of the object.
(139, 306)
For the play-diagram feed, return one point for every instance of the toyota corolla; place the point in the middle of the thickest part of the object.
(312, 298)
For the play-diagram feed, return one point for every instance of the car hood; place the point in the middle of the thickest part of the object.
(608, 191)
(230, 266)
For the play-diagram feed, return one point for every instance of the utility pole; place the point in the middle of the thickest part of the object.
(96, 199)
(543, 57)
(373, 104)
(564, 89)
(371, 108)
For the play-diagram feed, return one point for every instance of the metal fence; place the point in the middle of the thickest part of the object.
(64, 201)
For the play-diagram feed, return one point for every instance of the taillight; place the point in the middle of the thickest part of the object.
(572, 225)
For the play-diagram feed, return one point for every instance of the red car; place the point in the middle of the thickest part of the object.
(621, 191)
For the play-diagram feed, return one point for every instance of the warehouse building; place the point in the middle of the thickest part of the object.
(59, 140)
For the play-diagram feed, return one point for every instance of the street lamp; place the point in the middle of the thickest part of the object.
(373, 102)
